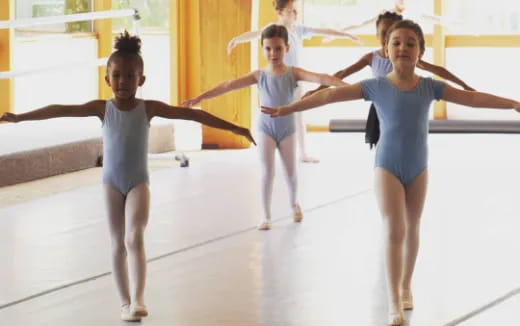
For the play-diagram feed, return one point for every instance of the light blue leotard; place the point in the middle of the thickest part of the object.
(296, 35)
(380, 66)
(276, 91)
(125, 147)
(403, 116)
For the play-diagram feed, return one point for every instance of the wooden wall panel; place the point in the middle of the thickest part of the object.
(219, 22)
(103, 30)
(6, 45)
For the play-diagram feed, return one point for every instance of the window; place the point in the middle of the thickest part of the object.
(154, 14)
(478, 17)
(44, 8)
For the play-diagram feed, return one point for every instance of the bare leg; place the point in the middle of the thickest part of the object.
(287, 150)
(266, 149)
(390, 195)
(415, 198)
(115, 206)
(137, 211)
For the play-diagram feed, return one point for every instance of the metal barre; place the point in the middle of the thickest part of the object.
(25, 22)
(72, 64)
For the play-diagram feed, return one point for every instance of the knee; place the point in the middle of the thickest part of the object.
(395, 231)
(268, 174)
(118, 248)
(135, 239)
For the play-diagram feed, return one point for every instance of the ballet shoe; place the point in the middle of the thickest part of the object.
(139, 310)
(297, 214)
(265, 225)
(127, 315)
(396, 319)
(407, 300)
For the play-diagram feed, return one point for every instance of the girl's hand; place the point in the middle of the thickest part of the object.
(309, 93)
(9, 117)
(328, 39)
(244, 132)
(191, 102)
(275, 112)
(231, 45)
(517, 107)
(353, 38)
(356, 39)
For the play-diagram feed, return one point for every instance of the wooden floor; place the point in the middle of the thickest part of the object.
(210, 266)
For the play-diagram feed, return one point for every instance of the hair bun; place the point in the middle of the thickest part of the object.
(127, 43)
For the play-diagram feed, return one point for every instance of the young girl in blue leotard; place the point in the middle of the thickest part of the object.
(287, 16)
(402, 100)
(126, 121)
(381, 66)
(277, 84)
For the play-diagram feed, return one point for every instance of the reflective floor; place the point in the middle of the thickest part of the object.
(210, 266)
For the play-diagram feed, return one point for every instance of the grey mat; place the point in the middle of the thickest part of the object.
(440, 126)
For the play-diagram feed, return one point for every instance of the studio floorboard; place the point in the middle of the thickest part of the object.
(210, 266)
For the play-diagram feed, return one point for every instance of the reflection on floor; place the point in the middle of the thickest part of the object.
(209, 266)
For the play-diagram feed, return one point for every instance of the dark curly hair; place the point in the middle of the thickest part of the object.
(388, 15)
(128, 47)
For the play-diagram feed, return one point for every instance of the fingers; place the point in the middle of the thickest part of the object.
(273, 112)
(189, 103)
(268, 110)
(251, 139)
(307, 94)
(230, 47)
(8, 117)
(327, 40)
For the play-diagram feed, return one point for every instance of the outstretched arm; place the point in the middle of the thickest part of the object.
(478, 99)
(163, 110)
(242, 38)
(363, 62)
(93, 108)
(444, 73)
(332, 33)
(225, 87)
(324, 79)
(326, 96)
(367, 22)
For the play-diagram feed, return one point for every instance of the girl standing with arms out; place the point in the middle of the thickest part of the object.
(412, 10)
(381, 66)
(402, 100)
(277, 84)
(126, 122)
(287, 15)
